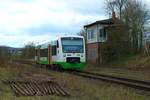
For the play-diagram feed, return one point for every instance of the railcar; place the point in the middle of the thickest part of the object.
(67, 52)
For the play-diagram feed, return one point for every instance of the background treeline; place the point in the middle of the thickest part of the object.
(127, 34)
(8, 54)
(4, 54)
(134, 15)
(125, 37)
(28, 52)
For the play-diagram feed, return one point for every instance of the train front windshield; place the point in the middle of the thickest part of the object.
(72, 45)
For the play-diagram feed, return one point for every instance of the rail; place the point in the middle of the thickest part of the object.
(137, 84)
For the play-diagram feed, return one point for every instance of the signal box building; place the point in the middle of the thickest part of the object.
(98, 35)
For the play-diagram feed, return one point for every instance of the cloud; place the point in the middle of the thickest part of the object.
(22, 21)
(21, 40)
(90, 7)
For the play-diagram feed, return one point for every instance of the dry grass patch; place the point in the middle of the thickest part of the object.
(85, 89)
(79, 88)
(136, 67)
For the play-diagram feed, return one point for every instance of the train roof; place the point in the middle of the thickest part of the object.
(45, 45)
(54, 42)
(71, 36)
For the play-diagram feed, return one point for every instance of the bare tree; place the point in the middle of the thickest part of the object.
(136, 16)
(120, 4)
(116, 5)
(82, 33)
(110, 6)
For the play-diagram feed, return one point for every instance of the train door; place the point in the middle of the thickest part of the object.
(49, 54)
(38, 54)
(57, 45)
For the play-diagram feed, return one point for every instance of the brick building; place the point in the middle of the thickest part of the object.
(98, 34)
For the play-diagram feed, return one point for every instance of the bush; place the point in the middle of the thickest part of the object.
(4, 55)
(28, 52)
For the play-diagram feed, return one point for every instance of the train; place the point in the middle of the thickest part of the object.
(66, 52)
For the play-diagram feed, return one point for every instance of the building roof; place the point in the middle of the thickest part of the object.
(102, 22)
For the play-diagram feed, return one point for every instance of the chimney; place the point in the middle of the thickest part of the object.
(113, 16)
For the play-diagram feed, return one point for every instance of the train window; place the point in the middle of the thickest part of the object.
(44, 52)
(54, 50)
(57, 44)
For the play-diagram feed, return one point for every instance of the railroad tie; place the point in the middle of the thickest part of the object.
(24, 87)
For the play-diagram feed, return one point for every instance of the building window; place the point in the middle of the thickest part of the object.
(90, 34)
(102, 34)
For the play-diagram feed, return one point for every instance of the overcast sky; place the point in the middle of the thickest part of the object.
(39, 21)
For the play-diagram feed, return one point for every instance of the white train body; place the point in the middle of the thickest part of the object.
(67, 51)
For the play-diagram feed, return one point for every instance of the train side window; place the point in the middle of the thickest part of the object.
(57, 44)
(54, 50)
(44, 52)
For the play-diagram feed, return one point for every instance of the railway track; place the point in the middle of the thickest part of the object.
(137, 84)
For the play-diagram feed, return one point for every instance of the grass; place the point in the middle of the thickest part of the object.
(79, 88)
(137, 62)
(136, 67)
